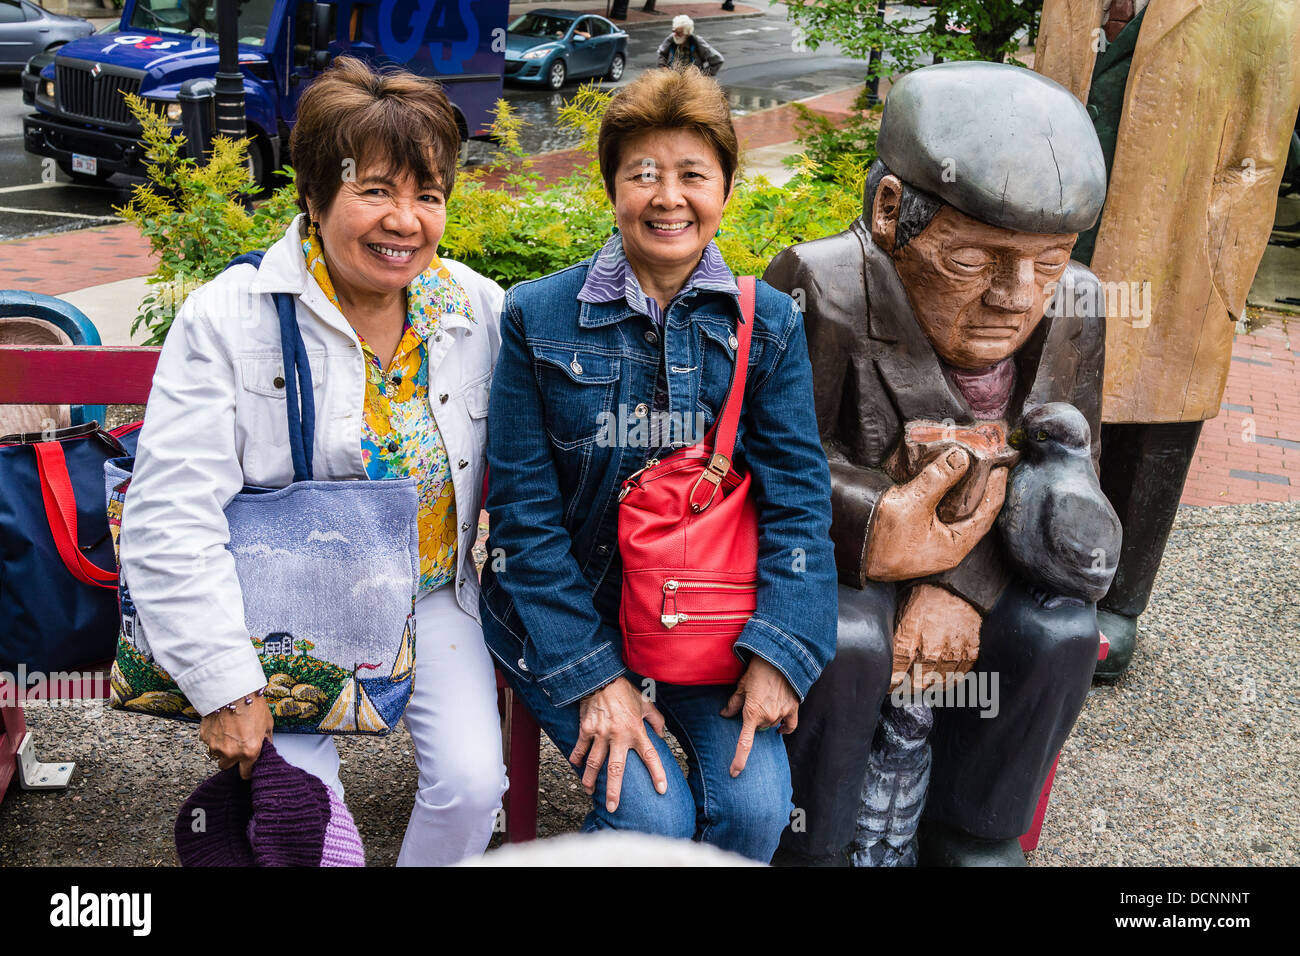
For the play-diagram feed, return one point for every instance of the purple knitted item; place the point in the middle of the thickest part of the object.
(342, 841)
(211, 829)
(284, 816)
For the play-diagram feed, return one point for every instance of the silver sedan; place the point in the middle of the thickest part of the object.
(27, 29)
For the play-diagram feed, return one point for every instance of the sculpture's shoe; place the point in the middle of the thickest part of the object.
(784, 857)
(942, 845)
(1121, 631)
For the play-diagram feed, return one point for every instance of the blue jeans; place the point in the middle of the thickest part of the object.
(745, 814)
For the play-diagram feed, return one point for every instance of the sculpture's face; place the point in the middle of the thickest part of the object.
(978, 291)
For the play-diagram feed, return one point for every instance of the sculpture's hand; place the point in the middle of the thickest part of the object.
(938, 631)
(907, 538)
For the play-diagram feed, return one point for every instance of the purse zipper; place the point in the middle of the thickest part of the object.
(670, 617)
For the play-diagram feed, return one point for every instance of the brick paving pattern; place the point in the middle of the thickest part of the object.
(1251, 451)
(67, 261)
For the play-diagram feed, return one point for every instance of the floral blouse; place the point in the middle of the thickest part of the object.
(398, 434)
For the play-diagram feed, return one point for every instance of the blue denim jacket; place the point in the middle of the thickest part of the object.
(552, 580)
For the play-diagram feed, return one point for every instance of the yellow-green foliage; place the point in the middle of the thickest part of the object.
(525, 229)
(196, 219)
(195, 216)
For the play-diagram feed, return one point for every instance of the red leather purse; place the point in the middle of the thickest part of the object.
(688, 536)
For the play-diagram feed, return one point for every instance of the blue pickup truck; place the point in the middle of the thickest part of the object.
(82, 122)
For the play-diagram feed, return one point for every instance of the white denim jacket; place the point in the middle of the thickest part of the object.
(216, 421)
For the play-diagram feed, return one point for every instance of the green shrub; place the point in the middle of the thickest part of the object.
(194, 216)
(196, 221)
(524, 228)
(830, 145)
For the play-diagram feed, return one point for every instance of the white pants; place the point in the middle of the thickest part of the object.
(456, 730)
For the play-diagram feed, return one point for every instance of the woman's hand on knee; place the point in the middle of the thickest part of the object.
(612, 722)
(236, 736)
(763, 698)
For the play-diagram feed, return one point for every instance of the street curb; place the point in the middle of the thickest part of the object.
(667, 21)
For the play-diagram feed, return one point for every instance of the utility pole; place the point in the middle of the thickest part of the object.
(873, 67)
(230, 81)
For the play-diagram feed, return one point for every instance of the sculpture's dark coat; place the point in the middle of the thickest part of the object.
(874, 370)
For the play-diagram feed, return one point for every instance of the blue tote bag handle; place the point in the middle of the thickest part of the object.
(297, 378)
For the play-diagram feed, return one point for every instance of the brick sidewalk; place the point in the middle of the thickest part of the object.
(1251, 451)
(67, 261)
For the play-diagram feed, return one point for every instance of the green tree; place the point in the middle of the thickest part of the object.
(954, 30)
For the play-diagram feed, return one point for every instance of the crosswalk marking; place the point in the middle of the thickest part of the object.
(65, 215)
(18, 189)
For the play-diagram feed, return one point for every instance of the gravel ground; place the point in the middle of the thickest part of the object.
(1190, 759)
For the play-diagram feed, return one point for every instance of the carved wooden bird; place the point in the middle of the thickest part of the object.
(1059, 529)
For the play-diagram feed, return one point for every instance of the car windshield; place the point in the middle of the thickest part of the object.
(540, 25)
(199, 17)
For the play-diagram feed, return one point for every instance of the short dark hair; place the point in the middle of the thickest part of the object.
(395, 118)
(916, 207)
(668, 99)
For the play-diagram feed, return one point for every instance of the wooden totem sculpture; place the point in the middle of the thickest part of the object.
(1194, 102)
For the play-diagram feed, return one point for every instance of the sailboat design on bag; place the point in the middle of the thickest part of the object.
(353, 710)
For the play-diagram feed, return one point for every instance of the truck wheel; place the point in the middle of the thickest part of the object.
(257, 166)
(556, 74)
(85, 179)
(616, 68)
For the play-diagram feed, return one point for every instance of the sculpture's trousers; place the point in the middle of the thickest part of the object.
(1143, 469)
(987, 772)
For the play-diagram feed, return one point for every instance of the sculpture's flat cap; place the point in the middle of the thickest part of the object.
(1000, 143)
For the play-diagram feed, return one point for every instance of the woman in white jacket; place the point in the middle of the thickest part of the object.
(401, 346)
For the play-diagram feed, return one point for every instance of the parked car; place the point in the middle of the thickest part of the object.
(551, 46)
(27, 29)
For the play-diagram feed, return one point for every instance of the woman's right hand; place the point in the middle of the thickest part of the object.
(236, 736)
(611, 722)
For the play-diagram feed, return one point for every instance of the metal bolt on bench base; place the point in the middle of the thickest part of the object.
(34, 775)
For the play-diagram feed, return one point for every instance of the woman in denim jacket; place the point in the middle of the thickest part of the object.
(604, 365)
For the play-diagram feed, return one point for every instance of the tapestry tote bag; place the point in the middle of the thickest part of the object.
(329, 572)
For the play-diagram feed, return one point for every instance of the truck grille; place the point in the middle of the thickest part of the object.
(98, 98)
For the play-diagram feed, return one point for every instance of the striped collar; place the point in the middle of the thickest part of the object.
(611, 278)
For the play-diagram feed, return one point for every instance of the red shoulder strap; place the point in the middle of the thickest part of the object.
(724, 430)
(61, 513)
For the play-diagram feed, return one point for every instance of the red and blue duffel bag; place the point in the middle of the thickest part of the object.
(58, 575)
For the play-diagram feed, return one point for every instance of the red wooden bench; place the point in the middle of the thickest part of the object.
(106, 375)
(81, 375)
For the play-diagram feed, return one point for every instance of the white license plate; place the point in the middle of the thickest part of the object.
(84, 164)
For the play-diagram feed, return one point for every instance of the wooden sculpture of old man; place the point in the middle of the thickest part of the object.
(957, 355)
